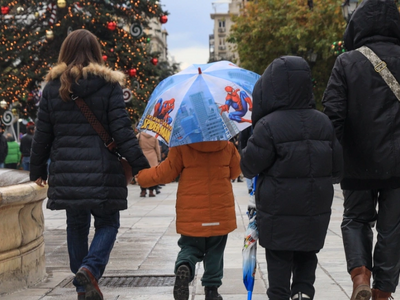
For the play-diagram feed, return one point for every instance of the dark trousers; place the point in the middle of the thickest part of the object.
(94, 257)
(209, 250)
(360, 215)
(11, 166)
(281, 265)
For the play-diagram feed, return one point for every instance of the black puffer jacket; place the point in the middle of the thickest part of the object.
(83, 173)
(296, 154)
(364, 111)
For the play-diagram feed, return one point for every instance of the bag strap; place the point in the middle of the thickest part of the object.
(381, 67)
(97, 126)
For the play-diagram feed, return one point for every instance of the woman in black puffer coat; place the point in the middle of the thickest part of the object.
(297, 158)
(85, 178)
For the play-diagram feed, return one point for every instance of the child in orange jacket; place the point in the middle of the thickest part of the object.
(205, 208)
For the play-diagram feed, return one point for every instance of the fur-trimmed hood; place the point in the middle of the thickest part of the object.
(94, 76)
(94, 69)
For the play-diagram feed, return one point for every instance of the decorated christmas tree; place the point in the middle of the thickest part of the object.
(31, 34)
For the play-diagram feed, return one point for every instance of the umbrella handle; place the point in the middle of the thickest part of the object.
(249, 295)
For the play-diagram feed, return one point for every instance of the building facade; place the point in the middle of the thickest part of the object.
(219, 47)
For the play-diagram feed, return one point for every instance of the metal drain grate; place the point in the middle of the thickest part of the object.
(131, 281)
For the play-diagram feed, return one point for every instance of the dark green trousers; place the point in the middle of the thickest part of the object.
(209, 250)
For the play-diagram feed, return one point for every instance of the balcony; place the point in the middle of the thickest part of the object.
(222, 48)
(222, 29)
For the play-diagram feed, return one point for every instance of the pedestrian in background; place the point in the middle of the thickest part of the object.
(85, 178)
(26, 145)
(295, 153)
(3, 147)
(14, 155)
(151, 149)
(244, 136)
(365, 112)
(205, 209)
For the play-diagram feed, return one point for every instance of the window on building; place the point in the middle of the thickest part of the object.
(221, 23)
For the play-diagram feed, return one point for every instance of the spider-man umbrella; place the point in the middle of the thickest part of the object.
(250, 249)
(206, 102)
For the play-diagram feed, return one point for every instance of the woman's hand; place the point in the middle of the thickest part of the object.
(40, 182)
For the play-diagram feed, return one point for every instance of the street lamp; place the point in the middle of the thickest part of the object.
(348, 7)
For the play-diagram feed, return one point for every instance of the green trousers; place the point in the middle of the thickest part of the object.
(209, 250)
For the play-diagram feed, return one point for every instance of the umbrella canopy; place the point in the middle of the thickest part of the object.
(205, 102)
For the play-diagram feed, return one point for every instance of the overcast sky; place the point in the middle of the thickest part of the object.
(189, 25)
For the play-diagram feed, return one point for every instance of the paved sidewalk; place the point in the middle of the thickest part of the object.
(146, 248)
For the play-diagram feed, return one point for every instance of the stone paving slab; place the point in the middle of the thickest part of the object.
(147, 246)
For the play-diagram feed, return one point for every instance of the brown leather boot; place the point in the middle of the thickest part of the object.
(361, 277)
(151, 193)
(380, 295)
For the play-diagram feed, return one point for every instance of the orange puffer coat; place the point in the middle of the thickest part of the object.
(205, 204)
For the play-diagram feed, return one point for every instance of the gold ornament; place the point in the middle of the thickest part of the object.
(20, 10)
(61, 3)
(14, 112)
(37, 14)
(49, 35)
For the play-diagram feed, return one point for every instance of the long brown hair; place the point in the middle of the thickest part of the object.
(80, 48)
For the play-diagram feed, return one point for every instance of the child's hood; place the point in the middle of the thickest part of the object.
(285, 84)
(209, 146)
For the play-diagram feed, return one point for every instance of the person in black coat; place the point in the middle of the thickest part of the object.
(297, 157)
(85, 178)
(366, 116)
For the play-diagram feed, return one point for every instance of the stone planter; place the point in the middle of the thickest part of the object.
(22, 259)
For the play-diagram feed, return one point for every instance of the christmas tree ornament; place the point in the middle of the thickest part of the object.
(163, 19)
(53, 8)
(105, 57)
(61, 3)
(112, 50)
(132, 72)
(5, 10)
(8, 118)
(127, 95)
(112, 25)
(20, 10)
(49, 35)
(148, 40)
(154, 61)
(136, 29)
(37, 14)
(3, 104)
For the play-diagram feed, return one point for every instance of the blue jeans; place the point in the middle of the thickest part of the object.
(96, 257)
(26, 162)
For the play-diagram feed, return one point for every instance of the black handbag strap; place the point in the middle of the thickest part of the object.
(97, 126)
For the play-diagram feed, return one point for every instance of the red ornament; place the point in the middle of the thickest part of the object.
(5, 10)
(112, 49)
(112, 25)
(105, 57)
(154, 61)
(163, 19)
(132, 72)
